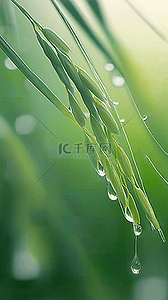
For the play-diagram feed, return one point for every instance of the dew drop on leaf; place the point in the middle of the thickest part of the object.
(137, 229)
(100, 171)
(110, 191)
(144, 118)
(128, 214)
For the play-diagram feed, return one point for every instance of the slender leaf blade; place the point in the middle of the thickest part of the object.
(33, 78)
(81, 21)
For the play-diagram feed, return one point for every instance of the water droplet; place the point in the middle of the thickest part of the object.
(100, 171)
(161, 235)
(144, 118)
(115, 103)
(109, 67)
(9, 64)
(110, 191)
(136, 265)
(118, 81)
(137, 229)
(122, 120)
(128, 214)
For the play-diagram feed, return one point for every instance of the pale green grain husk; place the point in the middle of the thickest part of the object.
(56, 40)
(90, 84)
(76, 110)
(52, 56)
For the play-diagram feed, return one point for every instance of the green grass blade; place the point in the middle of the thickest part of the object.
(94, 5)
(34, 79)
(72, 31)
(146, 126)
(96, 9)
(156, 170)
(7, 18)
(157, 31)
(81, 21)
(25, 12)
(82, 49)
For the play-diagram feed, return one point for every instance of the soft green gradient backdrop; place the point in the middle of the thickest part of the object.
(62, 238)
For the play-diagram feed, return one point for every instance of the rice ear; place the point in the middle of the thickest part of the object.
(90, 84)
(52, 56)
(98, 130)
(76, 110)
(107, 119)
(124, 162)
(146, 207)
(56, 40)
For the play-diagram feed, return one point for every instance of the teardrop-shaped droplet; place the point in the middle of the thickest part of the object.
(109, 67)
(144, 118)
(115, 103)
(137, 229)
(110, 191)
(122, 120)
(100, 171)
(118, 81)
(128, 214)
(136, 265)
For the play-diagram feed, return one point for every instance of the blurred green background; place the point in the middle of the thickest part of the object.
(61, 237)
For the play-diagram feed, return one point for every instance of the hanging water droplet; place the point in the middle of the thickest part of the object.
(109, 67)
(144, 118)
(122, 120)
(100, 170)
(136, 265)
(9, 64)
(137, 229)
(118, 81)
(115, 103)
(128, 214)
(110, 191)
